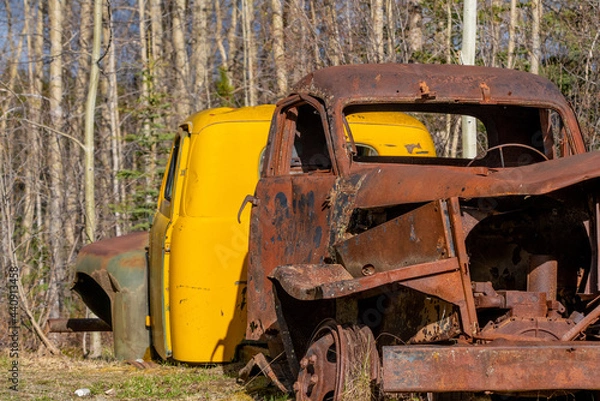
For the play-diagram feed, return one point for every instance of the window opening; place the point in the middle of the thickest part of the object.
(172, 169)
(309, 149)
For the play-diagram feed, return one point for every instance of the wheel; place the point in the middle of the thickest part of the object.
(340, 363)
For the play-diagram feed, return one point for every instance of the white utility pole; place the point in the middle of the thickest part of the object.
(469, 129)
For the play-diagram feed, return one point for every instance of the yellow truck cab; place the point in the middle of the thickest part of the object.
(197, 246)
(182, 290)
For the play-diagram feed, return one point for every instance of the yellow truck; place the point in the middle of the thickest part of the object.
(181, 290)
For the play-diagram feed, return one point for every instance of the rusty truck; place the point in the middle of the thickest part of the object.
(441, 274)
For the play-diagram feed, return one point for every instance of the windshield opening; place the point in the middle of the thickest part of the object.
(506, 135)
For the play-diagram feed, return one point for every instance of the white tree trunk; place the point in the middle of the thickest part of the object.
(250, 54)
(58, 277)
(33, 156)
(377, 40)
(469, 129)
(391, 30)
(278, 49)
(415, 29)
(182, 68)
(336, 57)
(199, 54)
(536, 51)
(156, 60)
(512, 28)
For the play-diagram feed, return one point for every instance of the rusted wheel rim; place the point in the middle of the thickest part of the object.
(331, 360)
(321, 369)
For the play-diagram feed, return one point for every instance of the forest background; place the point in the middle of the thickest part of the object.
(161, 60)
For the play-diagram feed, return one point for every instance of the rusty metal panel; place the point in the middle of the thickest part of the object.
(123, 258)
(419, 236)
(527, 329)
(323, 281)
(111, 277)
(525, 304)
(423, 183)
(507, 366)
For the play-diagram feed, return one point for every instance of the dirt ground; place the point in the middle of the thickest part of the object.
(45, 378)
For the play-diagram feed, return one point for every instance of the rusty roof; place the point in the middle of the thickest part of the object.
(341, 85)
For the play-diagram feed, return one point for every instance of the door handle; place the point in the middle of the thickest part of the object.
(247, 199)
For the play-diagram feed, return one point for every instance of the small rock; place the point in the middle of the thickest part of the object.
(82, 392)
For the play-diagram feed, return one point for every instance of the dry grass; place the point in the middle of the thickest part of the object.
(45, 378)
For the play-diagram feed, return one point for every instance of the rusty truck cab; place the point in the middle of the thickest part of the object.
(447, 273)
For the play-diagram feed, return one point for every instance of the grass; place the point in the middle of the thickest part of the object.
(45, 378)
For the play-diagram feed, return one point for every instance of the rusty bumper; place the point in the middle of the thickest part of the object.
(498, 366)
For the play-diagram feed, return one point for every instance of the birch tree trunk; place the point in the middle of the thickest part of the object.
(114, 166)
(83, 62)
(232, 39)
(223, 35)
(377, 40)
(71, 155)
(448, 139)
(391, 30)
(31, 183)
(199, 54)
(334, 51)
(512, 27)
(151, 76)
(318, 62)
(89, 187)
(536, 52)
(250, 54)
(349, 22)
(182, 69)
(35, 105)
(296, 27)
(156, 61)
(278, 49)
(58, 276)
(219, 37)
(495, 27)
(30, 180)
(415, 29)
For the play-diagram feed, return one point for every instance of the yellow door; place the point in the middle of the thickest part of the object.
(160, 246)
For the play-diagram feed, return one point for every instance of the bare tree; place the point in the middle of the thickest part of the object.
(156, 59)
(250, 52)
(278, 47)
(536, 52)
(31, 189)
(512, 26)
(90, 110)
(334, 47)
(180, 57)
(296, 34)
(415, 31)
(55, 225)
(377, 40)
(199, 56)
(391, 29)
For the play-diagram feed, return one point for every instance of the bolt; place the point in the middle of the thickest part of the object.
(303, 363)
(312, 359)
